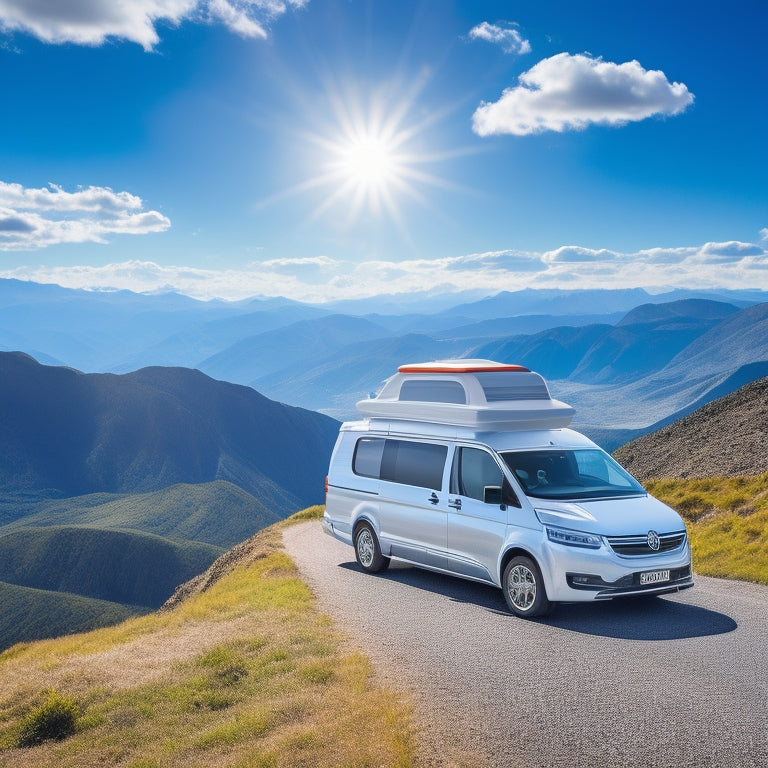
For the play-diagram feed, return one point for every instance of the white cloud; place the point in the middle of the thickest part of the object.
(568, 92)
(573, 254)
(54, 198)
(92, 22)
(37, 218)
(311, 268)
(308, 261)
(507, 36)
(324, 279)
(729, 252)
(507, 261)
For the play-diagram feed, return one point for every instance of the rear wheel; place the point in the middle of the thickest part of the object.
(368, 551)
(524, 588)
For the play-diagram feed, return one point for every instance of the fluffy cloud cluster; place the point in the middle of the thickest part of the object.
(507, 36)
(568, 92)
(36, 218)
(711, 265)
(91, 22)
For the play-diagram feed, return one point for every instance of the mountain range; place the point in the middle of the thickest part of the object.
(66, 433)
(117, 488)
(627, 360)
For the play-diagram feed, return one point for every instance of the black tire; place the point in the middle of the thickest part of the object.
(368, 551)
(524, 590)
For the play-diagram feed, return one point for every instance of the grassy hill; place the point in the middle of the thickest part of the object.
(238, 670)
(132, 568)
(244, 673)
(132, 550)
(712, 467)
(727, 520)
(217, 513)
(29, 614)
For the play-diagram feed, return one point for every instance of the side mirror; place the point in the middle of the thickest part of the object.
(493, 494)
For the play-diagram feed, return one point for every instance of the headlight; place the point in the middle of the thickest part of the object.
(573, 538)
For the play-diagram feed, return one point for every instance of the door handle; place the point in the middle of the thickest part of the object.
(434, 498)
(455, 503)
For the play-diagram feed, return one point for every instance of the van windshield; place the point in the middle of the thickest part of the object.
(570, 474)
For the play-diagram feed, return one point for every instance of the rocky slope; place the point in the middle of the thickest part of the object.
(726, 437)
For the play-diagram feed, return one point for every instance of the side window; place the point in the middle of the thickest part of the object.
(409, 463)
(367, 458)
(476, 475)
(400, 461)
(433, 391)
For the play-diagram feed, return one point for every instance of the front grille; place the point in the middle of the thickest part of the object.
(637, 546)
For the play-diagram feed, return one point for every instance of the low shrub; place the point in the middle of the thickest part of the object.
(54, 719)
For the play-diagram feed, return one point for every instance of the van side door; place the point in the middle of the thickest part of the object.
(412, 501)
(477, 512)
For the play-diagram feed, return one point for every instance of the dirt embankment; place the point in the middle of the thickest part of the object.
(726, 438)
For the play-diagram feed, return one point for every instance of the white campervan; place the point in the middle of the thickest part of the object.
(467, 467)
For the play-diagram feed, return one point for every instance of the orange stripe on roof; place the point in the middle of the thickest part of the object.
(460, 369)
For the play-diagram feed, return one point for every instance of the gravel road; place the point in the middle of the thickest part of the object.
(660, 683)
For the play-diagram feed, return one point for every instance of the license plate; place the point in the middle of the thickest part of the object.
(654, 577)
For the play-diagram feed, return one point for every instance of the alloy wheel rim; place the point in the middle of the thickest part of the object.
(521, 587)
(365, 548)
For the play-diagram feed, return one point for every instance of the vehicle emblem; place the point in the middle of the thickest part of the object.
(654, 542)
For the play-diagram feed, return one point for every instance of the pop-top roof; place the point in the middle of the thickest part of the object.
(460, 366)
(474, 393)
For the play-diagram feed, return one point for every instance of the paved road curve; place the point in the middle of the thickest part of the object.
(663, 683)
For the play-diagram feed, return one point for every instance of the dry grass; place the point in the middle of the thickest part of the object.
(727, 521)
(244, 672)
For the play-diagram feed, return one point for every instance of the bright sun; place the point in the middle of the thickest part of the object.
(368, 162)
(367, 167)
(370, 154)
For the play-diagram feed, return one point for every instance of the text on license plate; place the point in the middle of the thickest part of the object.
(654, 577)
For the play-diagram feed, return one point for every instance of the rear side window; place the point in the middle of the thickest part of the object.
(400, 461)
(367, 460)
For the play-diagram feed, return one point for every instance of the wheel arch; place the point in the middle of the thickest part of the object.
(364, 518)
(514, 552)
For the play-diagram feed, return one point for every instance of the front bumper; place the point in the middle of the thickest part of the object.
(572, 574)
(629, 585)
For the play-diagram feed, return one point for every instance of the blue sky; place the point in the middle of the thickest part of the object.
(324, 149)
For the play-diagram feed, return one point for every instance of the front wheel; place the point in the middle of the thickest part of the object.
(368, 551)
(523, 588)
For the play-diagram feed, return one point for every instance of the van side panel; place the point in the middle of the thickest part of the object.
(350, 497)
(345, 508)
